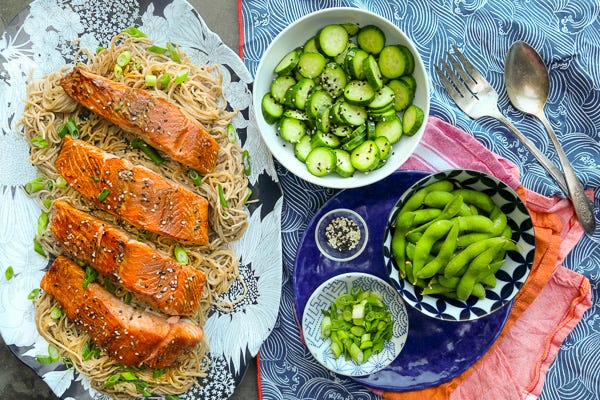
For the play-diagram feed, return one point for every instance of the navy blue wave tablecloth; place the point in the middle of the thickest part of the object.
(567, 35)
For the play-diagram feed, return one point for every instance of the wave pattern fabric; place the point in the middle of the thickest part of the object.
(567, 35)
(39, 41)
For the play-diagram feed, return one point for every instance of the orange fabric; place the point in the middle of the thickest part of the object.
(548, 228)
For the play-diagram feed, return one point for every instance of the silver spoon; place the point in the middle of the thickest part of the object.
(528, 85)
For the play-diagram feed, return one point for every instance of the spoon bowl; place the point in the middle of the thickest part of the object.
(528, 87)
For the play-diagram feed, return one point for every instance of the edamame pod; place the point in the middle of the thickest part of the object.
(477, 265)
(434, 232)
(416, 199)
(439, 199)
(398, 247)
(462, 259)
(478, 199)
(446, 250)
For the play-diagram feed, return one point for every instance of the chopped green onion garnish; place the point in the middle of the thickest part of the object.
(173, 53)
(89, 276)
(164, 80)
(148, 150)
(181, 76)
(47, 203)
(9, 273)
(56, 313)
(127, 298)
(247, 197)
(89, 351)
(103, 194)
(222, 198)
(246, 161)
(195, 177)
(128, 376)
(181, 255)
(35, 185)
(39, 142)
(60, 182)
(38, 247)
(94, 179)
(112, 380)
(42, 222)
(135, 32)
(142, 388)
(124, 58)
(118, 71)
(52, 356)
(72, 128)
(67, 362)
(99, 49)
(157, 49)
(62, 131)
(231, 133)
(158, 372)
(150, 80)
(33, 294)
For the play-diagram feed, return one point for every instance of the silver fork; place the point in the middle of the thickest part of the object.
(477, 98)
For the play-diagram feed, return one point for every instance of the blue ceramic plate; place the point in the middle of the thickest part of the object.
(511, 275)
(442, 349)
(325, 295)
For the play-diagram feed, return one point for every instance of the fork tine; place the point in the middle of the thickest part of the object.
(470, 68)
(447, 84)
(466, 79)
(456, 80)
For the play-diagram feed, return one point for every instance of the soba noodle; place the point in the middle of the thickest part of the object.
(200, 96)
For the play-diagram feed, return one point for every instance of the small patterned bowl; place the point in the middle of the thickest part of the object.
(325, 295)
(510, 278)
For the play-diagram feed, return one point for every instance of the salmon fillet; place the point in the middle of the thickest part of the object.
(131, 337)
(157, 121)
(134, 193)
(159, 280)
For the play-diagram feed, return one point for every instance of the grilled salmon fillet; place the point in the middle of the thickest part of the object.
(157, 121)
(131, 337)
(134, 193)
(159, 280)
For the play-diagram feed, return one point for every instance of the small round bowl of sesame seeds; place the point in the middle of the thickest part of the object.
(341, 234)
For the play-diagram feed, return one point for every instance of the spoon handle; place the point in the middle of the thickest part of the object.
(544, 161)
(582, 205)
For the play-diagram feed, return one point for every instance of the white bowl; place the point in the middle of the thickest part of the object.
(325, 295)
(296, 35)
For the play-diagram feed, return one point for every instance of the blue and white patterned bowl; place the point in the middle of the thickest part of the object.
(510, 278)
(325, 295)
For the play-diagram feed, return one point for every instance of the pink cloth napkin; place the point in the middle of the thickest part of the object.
(516, 366)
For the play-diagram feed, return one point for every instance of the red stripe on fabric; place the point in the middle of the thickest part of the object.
(570, 315)
(258, 382)
(240, 30)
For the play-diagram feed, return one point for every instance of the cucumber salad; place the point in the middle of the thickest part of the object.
(343, 99)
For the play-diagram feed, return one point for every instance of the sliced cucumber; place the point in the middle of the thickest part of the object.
(392, 62)
(384, 114)
(412, 120)
(385, 147)
(280, 86)
(354, 62)
(351, 27)
(343, 165)
(359, 92)
(324, 139)
(316, 100)
(333, 79)
(372, 73)
(410, 81)
(297, 114)
(390, 129)
(271, 109)
(303, 147)
(323, 121)
(332, 40)
(288, 62)
(321, 161)
(403, 94)
(311, 65)
(342, 131)
(301, 91)
(410, 59)
(291, 129)
(353, 114)
(365, 156)
(371, 39)
(383, 98)
(311, 46)
(357, 137)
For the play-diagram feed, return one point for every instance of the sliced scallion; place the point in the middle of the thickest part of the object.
(35, 185)
(173, 53)
(118, 71)
(157, 49)
(60, 182)
(195, 177)
(248, 195)
(222, 198)
(56, 313)
(33, 294)
(164, 80)
(72, 128)
(124, 58)
(103, 194)
(246, 161)
(231, 133)
(37, 247)
(135, 32)
(99, 49)
(181, 255)
(150, 151)
(181, 76)
(42, 222)
(39, 142)
(9, 273)
(89, 276)
(150, 80)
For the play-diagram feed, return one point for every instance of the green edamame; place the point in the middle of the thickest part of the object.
(434, 232)
(462, 259)
(443, 256)
(476, 266)
(478, 199)
(416, 200)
